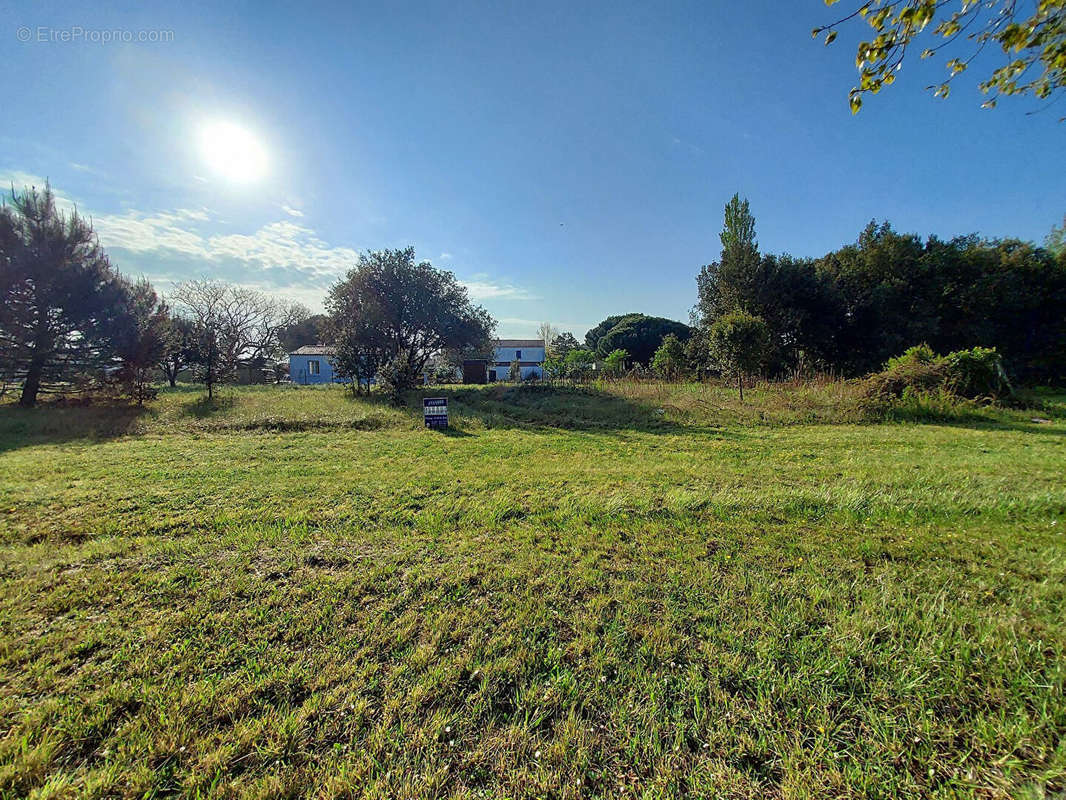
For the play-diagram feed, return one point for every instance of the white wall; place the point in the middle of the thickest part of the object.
(507, 354)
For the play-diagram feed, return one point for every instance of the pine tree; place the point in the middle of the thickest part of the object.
(61, 297)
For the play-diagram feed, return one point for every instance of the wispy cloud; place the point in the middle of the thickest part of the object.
(486, 289)
(445, 256)
(86, 168)
(292, 212)
(293, 248)
(285, 256)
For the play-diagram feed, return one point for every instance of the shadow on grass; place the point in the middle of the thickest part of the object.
(453, 433)
(202, 407)
(551, 408)
(1017, 426)
(51, 423)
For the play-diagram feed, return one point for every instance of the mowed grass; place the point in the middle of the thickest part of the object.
(625, 592)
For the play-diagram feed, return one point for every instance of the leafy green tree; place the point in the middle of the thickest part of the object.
(563, 344)
(1056, 239)
(140, 342)
(614, 363)
(640, 336)
(312, 329)
(554, 368)
(698, 353)
(729, 284)
(669, 360)
(356, 359)
(1031, 37)
(886, 288)
(593, 336)
(61, 297)
(179, 348)
(406, 311)
(738, 344)
(579, 364)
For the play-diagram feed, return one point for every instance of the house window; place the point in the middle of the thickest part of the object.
(518, 354)
(313, 367)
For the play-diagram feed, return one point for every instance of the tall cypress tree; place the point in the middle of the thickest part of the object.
(729, 283)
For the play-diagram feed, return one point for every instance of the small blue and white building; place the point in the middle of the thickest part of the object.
(529, 353)
(313, 363)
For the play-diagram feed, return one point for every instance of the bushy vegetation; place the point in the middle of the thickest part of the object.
(975, 374)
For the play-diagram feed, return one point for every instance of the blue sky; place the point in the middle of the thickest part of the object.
(567, 161)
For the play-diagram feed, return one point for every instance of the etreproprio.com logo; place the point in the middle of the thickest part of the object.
(76, 34)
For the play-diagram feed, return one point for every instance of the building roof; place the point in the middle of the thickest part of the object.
(315, 350)
(519, 343)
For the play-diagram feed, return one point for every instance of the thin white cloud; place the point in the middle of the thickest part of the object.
(445, 256)
(292, 212)
(87, 169)
(484, 289)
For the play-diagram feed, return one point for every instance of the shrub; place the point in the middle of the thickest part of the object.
(913, 356)
(903, 376)
(975, 374)
(978, 373)
(939, 405)
(669, 360)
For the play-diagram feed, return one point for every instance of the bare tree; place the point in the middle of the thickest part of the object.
(547, 333)
(234, 327)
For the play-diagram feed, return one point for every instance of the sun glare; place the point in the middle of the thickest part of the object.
(233, 152)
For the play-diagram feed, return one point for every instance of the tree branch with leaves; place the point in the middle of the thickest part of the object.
(1031, 37)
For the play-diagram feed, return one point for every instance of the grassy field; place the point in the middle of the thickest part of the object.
(633, 591)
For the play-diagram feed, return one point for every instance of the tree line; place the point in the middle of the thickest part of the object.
(71, 322)
(852, 310)
(858, 306)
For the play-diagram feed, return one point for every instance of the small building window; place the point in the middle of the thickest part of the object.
(518, 354)
(313, 368)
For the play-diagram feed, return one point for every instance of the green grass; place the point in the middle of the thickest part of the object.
(631, 591)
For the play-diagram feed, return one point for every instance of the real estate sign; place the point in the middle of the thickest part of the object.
(435, 411)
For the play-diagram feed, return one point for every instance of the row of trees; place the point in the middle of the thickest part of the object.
(847, 312)
(71, 321)
(853, 309)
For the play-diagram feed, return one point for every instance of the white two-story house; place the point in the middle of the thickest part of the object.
(529, 353)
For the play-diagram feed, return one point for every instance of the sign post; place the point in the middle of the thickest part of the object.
(435, 411)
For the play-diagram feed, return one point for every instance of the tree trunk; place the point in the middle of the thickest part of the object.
(740, 384)
(31, 386)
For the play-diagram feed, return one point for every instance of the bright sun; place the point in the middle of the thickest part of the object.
(233, 152)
